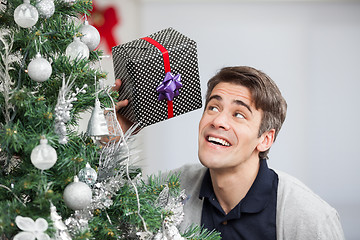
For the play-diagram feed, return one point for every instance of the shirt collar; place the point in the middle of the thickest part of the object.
(258, 195)
(206, 189)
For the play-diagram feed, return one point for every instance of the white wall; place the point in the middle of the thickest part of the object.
(310, 49)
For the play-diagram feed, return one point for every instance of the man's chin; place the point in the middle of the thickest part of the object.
(209, 162)
(202, 163)
(201, 159)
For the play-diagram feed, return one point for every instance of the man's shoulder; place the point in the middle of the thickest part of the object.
(190, 169)
(302, 214)
(190, 174)
(293, 191)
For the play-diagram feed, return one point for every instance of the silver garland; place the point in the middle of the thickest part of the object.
(115, 153)
(103, 192)
(78, 221)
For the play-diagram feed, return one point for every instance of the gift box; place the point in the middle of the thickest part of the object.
(160, 76)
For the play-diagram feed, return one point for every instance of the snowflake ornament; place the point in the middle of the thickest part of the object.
(64, 106)
(31, 229)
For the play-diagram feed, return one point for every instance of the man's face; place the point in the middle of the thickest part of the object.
(229, 127)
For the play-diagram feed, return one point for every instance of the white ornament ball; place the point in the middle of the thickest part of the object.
(46, 8)
(43, 156)
(39, 69)
(77, 50)
(88, 175)
(91, 36)
(77, 195)
(26, 15)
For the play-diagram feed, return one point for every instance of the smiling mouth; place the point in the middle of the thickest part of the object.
(218, 141)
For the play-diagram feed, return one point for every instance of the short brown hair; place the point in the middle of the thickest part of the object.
(264, 92)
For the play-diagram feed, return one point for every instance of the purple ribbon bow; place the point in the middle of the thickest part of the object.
(169, 88)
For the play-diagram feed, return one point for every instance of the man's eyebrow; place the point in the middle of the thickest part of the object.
(217, 97)
(237, 102)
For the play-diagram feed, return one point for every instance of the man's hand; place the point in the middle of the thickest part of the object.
(124, 122)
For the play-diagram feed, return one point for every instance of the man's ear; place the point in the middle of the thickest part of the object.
(266, 140)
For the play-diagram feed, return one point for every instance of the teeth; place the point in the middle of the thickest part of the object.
(219, 140)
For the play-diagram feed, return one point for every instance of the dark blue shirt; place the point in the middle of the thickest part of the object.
(255, 215)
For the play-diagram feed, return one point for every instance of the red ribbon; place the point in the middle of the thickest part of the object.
(167, 69)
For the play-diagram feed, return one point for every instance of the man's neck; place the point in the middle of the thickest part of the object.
(231, 185)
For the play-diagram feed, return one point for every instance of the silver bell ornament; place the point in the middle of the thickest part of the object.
(97, 125)
(87, 175)
(26, 15)
(39, 69)
(90, 35)
(43, 156)
(77, 195)
(77, 50)
(46, 8)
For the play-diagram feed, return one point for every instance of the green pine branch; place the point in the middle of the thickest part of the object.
(197, 233)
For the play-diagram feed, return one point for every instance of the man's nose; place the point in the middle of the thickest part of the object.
(221, 120)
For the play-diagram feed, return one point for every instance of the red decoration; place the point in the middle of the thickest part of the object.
(105, 20)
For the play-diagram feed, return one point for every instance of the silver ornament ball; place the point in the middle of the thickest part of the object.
(39, 69)
(46, 8)
(91, 36)
(88, 175)
(77, 50)
(26, 15)
(77, 195)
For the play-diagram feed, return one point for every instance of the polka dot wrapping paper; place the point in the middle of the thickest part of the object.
(140, 66)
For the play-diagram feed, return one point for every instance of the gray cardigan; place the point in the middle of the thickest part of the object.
(300, 213)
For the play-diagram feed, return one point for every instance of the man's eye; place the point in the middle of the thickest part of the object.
(239, 115)
(212, 108)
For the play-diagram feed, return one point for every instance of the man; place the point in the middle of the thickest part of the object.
(235, 192)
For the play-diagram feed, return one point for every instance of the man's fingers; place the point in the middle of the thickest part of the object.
(121, 104)
(124, 123)
(117, 85)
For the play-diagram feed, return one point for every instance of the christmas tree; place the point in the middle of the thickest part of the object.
(57, 183)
